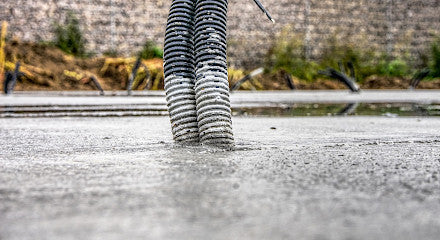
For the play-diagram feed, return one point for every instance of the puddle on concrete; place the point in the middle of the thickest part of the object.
(327, 109)
(280, 110)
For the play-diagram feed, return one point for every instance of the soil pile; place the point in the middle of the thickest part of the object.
(278, 82)
(46, 67)
(376, 82)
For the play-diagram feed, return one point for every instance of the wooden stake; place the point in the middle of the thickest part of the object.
(2, 48)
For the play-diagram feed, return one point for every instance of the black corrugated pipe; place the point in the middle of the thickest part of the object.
(196, 76)
(418, 77)
(212, 86)
(179, 71)
(349, 82)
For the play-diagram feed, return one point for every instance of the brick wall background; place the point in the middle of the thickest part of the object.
(394, 26)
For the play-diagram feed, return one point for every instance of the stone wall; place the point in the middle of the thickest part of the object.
(393, 26)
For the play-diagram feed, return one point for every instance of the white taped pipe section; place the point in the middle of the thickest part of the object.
(180, 98)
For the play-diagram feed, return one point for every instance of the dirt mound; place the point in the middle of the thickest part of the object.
(432, 84)
(278, 82)
(376, 82)
(48, 68)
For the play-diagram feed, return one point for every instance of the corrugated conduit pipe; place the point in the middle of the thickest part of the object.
(212, 86)
(179, 71)
(198, 95)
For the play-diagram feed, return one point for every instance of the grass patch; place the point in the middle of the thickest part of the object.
(287, 53)
(69, 38)
(151, 50)
(434, 64)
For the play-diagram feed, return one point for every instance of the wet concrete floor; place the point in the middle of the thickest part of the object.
(288, 178)
(269, 103)
(239, 98)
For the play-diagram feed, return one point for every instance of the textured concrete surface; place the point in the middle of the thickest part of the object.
(288, 178)
(238, 99)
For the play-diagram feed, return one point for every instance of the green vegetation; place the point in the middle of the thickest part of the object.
(335, 52)
(69, 38)
(435, 58)
(288, 53)
(151, 50)
(393, 68)
(111, 53)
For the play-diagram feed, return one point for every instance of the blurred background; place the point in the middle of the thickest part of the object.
(76, 44)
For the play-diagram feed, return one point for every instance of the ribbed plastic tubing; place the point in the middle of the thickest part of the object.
(179, 71)
(211, 83)
(196, 76)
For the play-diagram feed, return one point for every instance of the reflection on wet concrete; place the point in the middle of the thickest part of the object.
(290, 110)
(264, 103)
(349, 109)
(340, 109)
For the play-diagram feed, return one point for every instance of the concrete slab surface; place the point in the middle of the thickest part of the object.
(288, 178)
(240, 98)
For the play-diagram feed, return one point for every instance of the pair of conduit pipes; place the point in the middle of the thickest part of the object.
(195, 69)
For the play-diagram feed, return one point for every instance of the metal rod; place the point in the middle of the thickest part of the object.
(133, 74)
(254, 73)
(97, 85)
(15, 77)
(264, 10)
